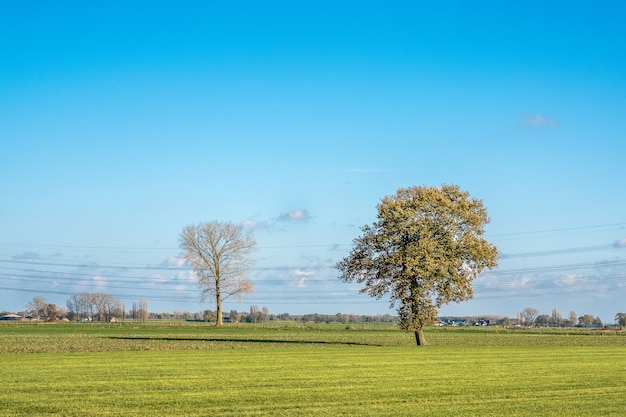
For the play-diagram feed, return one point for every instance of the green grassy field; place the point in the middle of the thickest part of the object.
(295, 370)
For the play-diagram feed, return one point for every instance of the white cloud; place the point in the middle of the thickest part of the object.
(185, 277)
(620, 243)
(294, 215)
(156, 279)
(571, 280)
(254, 225)
(173, 262)
(537, 121)
(180, 288)
(300, 273)
(100, 281)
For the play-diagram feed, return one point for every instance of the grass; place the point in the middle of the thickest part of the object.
(295, 370)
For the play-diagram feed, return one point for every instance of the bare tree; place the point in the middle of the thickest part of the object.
(143, 312)
(573, 318)
(115, 309)
(219, 254)
(265, 313)
(529, 315)
(255, 314)
(140, 311)
(37, 307)
(89, 306)
(555, 319)
(101, 302)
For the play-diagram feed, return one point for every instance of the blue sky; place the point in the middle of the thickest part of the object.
(121, 123)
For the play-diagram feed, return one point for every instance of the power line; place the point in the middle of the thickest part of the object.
(332, 245)
(94, 265)
(152, 298)
(312, 284)
(556, 251)
(555, 268)
(565, 229)
(154, 248)
(301, 295)
(153, 267)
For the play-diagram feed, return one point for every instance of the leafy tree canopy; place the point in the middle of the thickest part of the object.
(424, 251)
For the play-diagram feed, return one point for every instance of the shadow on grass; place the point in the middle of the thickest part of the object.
(267, 341)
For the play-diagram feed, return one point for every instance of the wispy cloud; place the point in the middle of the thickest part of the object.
(173, 262)
(294, 216)
(539, 121)
(250, 224)
(603, 277)
(300, 273)
(99, 281)
(26, 256)
(572, 281)
(620, 243)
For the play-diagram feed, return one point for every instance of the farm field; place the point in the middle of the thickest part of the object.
(290, 369)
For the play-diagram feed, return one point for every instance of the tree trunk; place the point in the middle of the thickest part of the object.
(219, 320)
(420, 340)
(218, 301)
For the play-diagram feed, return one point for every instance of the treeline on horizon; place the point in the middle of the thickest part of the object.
(103, 307)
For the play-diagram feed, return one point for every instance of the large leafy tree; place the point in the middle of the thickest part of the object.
(424, 251)
(219, 255)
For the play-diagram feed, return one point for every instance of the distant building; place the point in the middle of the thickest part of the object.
(11, 317)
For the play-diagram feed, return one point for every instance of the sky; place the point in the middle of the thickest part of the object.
(122, 122)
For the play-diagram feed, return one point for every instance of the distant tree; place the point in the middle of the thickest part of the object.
(425, 250)
(572, 319)
(208, 315)
(620, 319)
(101, 302)
(342, 318)
(505, 321)
(529, 314)
(116, 308)
(234, 316)
(61, 313)
(265, 313)
(75, 307)
(284, 316)
(542, 320)
(37, 307)
(255, 314)
(219, 255)
(143, 310)
(555, 319)
(51, 312)
(585, 320)
(94, 306)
